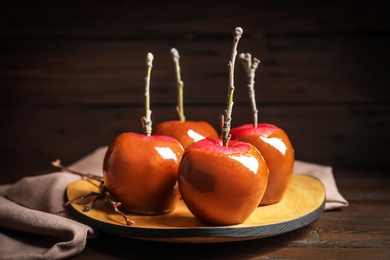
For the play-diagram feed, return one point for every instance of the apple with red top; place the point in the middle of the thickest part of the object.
(222, 185)
(141, 170)
(278, 153)
(186, 132)
(222, 182)
(270, 140)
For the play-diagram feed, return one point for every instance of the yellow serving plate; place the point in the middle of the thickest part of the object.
(303, 203)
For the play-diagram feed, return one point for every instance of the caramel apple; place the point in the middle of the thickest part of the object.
(141, 170)
(222, 181)
(270, 140)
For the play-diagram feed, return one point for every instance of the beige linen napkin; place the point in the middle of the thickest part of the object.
(35, 225)
(334, 199)
(33, 221)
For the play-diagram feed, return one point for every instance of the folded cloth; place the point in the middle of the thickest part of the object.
(32, 210)
(333, 198)
(33, 221)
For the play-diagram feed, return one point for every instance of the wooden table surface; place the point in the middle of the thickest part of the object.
(360, 231)
(72, 78)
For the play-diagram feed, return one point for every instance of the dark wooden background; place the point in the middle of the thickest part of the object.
(72, 75)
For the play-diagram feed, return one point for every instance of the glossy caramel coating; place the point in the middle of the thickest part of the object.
(222, 186)
(141, 172)
(186, 132)
(278, 153)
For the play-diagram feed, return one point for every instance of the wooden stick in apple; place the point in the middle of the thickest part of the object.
(180, 85)
(270, 140)
(227, 117)
(186, 132)
(222, 182)
(146, 120)
(250, 68)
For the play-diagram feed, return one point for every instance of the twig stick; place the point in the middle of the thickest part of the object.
(226, 119)
(180, 85)
(146, 120)
(102, 194)
(57, 163)
(81, 197)
(115, 205)
(250, 66)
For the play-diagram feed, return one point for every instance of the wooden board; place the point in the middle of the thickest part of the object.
(302, 204)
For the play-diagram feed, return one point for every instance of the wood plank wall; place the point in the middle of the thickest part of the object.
(72, 74)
